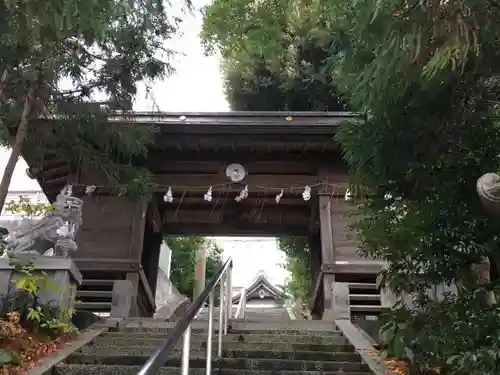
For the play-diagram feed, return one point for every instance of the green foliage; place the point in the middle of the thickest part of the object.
(8, 358)
(297, 262)
(433, 129)
(25, 207)
(36, 315)
(426, 73)
(57, 57)
(182, 272)
(274, 53)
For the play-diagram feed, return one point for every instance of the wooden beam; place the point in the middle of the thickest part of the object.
(361, 268)
(256, 167)
(62, 180)
(254, 182)
(202, 181)
(193, 195)
(210, 139)
(147, 289)
(137, 231)
(313, 216)
(223, 199)
(229, 142)
(45, 174)
(327, 253)
(154, 216)
(106, 264)
(159, 157)
(248, 122)
(228, 215)
(232, 229)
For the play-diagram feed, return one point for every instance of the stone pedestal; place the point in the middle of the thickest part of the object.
(122, 299)
(61, 273)
(341, 308)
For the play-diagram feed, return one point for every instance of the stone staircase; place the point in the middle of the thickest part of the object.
(251, 348)
(203, 315)
(253, 314)
(267, 314)
(95, 295)
(364, 299)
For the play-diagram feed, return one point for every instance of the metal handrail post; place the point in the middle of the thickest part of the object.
(185, 351)
(183, 328)
(229, 295)
(221, 317)
(239, 310)
(244, 305)
(226, 303)
(210, 331)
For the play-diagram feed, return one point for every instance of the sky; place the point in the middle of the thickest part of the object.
(251, 255)
(197, 86)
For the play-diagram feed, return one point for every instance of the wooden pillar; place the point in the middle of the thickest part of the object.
(135, 248)
(327, 254)
(314, 242)
(199, 272)
(151, 256)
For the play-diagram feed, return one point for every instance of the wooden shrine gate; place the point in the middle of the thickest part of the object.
(264, 156)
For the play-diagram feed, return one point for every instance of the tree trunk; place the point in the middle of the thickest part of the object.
(3, 81)
(17, 147)
(481, 273)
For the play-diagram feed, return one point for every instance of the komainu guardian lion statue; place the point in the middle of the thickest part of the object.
(56, 230)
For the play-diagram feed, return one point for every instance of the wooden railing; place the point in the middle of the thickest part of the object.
(363, 297)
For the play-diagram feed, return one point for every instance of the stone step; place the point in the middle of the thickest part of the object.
(252, 310)
(64, 369)
(238, 325)
(141, 351)
(367, 286)
(309, 323)
(251, 319)
(156, 339)
(94, 306)
(255, 315)
(232, 331)
(200, 343)
(364, 297)
(366, 308)
(94, 294)
(97, 282)
(232, 363)
(247, 319)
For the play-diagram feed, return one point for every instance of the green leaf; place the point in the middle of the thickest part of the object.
(9, 358)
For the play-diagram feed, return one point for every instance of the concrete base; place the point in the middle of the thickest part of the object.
(340, 308)
(61, 273)
(122, 299)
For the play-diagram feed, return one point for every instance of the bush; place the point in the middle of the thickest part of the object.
(29, 328)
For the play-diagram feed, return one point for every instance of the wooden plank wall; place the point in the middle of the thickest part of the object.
(344, 240)
(112, 230)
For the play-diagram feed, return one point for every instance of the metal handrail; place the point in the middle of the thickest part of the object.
(183, 326)
(242, 304)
